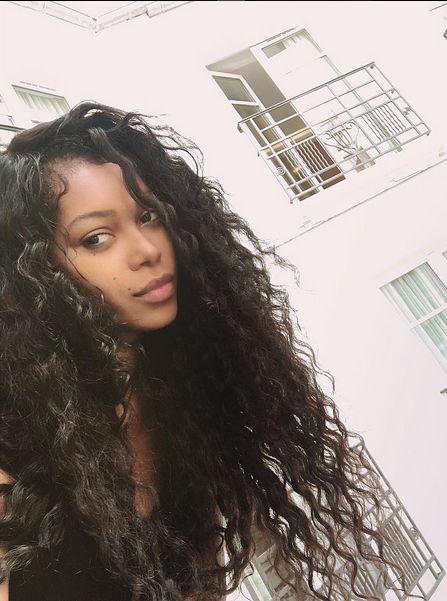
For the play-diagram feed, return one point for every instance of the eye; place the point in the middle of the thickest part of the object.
(149, 216)
(95, 240)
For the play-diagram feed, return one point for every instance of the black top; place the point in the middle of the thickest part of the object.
(74, 574)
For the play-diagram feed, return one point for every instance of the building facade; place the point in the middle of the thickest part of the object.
(325, 122)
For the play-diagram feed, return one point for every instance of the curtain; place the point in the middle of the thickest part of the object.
(416, 294)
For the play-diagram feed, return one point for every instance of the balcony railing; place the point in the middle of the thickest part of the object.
(320, 137)
(407, 548)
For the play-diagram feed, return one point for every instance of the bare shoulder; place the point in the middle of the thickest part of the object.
(5, 478)
(4, 590)
(4, 586)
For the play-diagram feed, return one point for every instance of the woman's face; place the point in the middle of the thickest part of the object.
(115, 247)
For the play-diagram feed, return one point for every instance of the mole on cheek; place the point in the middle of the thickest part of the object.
(114, 278)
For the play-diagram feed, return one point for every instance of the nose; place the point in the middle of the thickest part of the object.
(142, 251)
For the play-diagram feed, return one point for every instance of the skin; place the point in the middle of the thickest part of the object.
(4, 586)
(115, 255)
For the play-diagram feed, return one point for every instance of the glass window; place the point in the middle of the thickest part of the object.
(42, 106)
(417, 293)
(234, 89)
(421, 296)
(300, 42)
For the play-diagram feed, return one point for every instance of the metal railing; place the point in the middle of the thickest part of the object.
(408, 549)
(316, 139)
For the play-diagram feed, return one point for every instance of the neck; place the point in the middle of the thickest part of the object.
(128, 347)
(128, 354)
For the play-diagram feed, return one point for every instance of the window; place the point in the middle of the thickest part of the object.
(42, 106)
(312, 125)
(420, 295)
(284, 139)
(301, 39)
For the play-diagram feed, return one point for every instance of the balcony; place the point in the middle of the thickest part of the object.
(406, 547)
(321, 137)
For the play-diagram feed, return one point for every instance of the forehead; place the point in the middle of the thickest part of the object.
(90, 186)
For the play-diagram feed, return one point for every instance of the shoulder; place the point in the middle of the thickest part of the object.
(5, 480)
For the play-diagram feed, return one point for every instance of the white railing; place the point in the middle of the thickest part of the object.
(315, 139)
(407, 548)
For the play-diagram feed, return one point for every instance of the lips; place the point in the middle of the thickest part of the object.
(154, 284)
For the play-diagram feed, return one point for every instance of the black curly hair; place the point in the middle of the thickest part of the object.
(250, 447)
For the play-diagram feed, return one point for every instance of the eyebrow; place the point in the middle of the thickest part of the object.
(91, 215)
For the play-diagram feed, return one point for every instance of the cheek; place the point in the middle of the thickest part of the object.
(84, 269)
(100, 281)
(169, 251)
(107, 281)
(81, 270)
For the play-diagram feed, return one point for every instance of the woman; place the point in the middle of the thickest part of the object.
(159, 420)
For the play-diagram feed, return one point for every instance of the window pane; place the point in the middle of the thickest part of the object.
(434, 333)
(417, 293)
(260, 591)
(234, 89)
(43, 106)
(273, 49)
(258, 123)
(300, 43)
(61, 105)
(39, 102)
(247, 110)
(26, 99)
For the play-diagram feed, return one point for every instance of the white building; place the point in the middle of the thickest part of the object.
(363, 158)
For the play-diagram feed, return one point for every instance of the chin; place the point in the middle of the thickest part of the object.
(156, 322)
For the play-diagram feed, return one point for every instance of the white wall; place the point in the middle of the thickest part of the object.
(387, 384)
(158, 66)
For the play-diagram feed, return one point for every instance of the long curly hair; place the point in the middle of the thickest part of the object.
(249, 448)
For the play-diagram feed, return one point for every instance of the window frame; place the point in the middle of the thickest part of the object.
(33, 115)
(437, 261)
